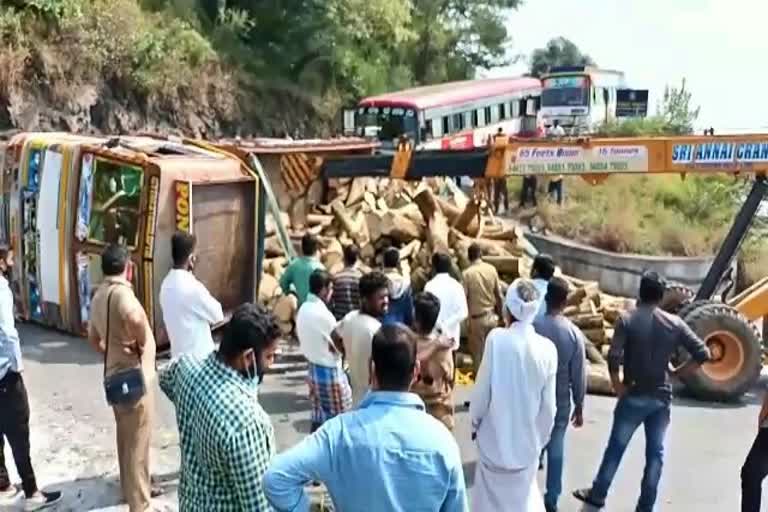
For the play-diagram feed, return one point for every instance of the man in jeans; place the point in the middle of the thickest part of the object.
(571, 382)
(644, 342)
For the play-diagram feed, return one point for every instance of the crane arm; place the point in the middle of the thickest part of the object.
(591, 158)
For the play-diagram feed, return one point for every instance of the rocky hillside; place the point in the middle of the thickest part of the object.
(108, 66)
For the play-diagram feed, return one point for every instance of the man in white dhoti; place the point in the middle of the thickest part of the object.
(513, 408)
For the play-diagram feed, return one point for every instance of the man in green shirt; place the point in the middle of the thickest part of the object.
(227, 439)
(297, 273)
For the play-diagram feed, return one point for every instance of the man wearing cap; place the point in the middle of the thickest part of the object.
(643, 343)
(519, 367)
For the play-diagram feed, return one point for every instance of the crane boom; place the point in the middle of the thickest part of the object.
(592, 158)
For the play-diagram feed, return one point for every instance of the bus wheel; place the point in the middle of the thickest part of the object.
(675, 297)
(736, 350)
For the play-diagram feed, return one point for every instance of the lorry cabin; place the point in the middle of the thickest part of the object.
(65, 197)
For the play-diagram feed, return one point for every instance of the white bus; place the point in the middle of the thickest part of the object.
(580, 98)
(451, 116)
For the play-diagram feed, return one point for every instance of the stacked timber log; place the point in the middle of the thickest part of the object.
(420, 219)
(595, 313)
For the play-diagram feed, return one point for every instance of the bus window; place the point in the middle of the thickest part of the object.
(570, 91)
(488, 118)
(475, 120)
(115, 201)
(515, 109)
(388, 122)
(458, 122)
(428, 130)
(446, 126)
(502, 111)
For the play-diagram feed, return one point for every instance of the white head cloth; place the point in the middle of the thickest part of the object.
(522, 300)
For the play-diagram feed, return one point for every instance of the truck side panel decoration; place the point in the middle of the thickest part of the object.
(183, 209)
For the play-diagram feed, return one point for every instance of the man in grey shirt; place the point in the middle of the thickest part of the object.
(571, 382)
(644, 342)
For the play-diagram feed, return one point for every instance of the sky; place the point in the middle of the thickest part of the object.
(719, 46)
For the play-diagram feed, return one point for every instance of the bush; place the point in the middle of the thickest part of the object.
(114, 41)
(660, 215)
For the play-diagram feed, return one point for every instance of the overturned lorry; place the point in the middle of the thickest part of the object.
(65, 197)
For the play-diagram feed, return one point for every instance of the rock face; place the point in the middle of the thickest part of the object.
(213, 108)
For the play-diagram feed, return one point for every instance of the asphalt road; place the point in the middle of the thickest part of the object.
(73, 437)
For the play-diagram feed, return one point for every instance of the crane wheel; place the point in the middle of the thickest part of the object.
(737, 353)
(686, 309)
(675, 297)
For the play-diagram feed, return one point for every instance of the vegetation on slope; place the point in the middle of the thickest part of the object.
(227, 66)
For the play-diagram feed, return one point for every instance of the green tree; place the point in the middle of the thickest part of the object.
(456, 37)
(558, 52)
(676, 110)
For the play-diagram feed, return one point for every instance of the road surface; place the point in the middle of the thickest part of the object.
(73, 437)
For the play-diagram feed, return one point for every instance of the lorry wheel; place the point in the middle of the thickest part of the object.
(737, 353)
(675, 297)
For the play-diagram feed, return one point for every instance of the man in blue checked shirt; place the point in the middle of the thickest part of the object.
(227, 439)
(389, 455)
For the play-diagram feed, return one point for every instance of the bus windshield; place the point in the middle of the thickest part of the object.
(565, 92)
(386, 123)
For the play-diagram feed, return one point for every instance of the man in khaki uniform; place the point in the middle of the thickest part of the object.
(483, 289)
(130, 343)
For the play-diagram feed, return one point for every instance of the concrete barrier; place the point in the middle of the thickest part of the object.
(619, 274)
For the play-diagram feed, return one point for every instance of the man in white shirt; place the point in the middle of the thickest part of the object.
(14, 405)
(189, 310)
(453, 300)
(329, 389)
(355, 332)
(519, 367)
(556, 130)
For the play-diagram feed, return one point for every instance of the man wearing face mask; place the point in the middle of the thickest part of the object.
(227, 440)
(189, 310)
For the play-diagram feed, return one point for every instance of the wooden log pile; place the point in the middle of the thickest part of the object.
(595, 313)
(420, 219)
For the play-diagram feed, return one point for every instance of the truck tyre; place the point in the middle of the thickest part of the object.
(675, 297)
(736, 350)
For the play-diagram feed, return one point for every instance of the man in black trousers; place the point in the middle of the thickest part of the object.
(756, 466)
(14, 405)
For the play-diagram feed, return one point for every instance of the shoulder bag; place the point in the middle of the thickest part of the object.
(124, 387)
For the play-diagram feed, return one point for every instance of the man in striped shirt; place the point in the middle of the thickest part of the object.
(346, 296)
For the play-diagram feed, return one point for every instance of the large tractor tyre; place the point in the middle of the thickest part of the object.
(687, 309)
(675, 297)
(736, 350)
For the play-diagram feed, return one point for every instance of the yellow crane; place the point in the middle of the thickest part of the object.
(726, 327)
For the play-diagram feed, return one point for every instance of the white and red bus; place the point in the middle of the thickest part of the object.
(455, 115)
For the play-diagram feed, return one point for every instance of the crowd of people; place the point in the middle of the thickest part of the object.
(380, 379)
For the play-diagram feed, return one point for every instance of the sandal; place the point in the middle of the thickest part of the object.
(585, 496)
